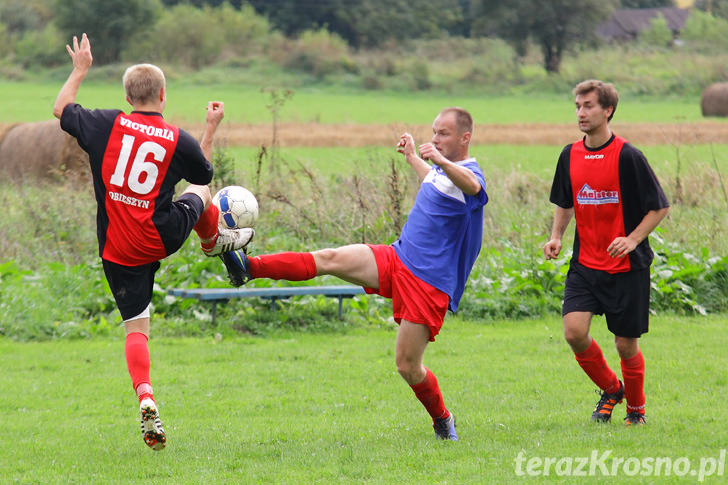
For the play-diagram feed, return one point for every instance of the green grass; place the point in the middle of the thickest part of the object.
(33, 101)
(302, 408)
(538, 160)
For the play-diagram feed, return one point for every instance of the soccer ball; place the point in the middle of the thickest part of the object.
(238, 207)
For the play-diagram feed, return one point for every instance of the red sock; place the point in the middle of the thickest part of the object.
(633, 371)
(283, 266)
(593, 362)
(206, 226)
(137, 359)
(428, 392)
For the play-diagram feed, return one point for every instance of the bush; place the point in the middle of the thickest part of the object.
(44, 47)
(704, 32)
(317, 52)
(183, 35)
(658, 35)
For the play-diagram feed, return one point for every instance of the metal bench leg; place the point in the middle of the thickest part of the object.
(214, 312)
(341, 303)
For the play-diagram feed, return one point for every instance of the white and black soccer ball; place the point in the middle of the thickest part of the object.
(238, 207)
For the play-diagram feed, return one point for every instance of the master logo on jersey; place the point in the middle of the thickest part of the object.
(589, 196)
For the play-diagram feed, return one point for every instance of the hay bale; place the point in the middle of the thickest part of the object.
(714, 101)
(40, 150)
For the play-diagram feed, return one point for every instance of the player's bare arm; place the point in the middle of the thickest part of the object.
(463, 178)
(215, 114)
(406, 146)
(622, 246)
(562, 217)
(82, 60)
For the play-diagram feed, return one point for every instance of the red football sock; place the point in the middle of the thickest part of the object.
(206, 226)
(593, 362)
(428, 392)
(283, 266)
(633, 371)
(137, 359)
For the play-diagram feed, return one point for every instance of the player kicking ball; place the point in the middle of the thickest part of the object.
(424, 272)
(136, 160)
(608, 186)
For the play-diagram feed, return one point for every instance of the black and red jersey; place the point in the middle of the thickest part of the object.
(136, 160)
(611, 189)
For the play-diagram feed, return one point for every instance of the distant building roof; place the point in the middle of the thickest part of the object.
(627, 23)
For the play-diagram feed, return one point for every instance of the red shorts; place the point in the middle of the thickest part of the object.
(412, 299)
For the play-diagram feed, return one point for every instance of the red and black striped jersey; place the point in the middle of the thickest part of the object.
(136, 161)
(611, 189)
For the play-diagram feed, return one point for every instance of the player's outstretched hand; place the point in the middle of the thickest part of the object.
(80, 54)
(215, 113)
(406, 145)
(429, 152)
(552, 249)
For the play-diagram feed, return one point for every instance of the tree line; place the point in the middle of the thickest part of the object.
(198, 31)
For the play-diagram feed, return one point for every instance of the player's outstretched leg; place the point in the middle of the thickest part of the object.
(228, 240)
(152, 428)
(238, 267)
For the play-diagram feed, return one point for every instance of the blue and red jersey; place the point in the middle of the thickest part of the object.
(444, 232)
(136, 160)
(611, 189)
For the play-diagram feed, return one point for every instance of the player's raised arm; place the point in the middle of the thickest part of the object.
(406, 146)
(215, 114)
(82, 60)
(463, 178)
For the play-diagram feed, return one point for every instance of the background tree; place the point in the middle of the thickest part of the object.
(658, 34)
(555, 26)
(110, 24)
(204, 3)
(719, 8)
(20, 16)
(364, 23)
(646, 3)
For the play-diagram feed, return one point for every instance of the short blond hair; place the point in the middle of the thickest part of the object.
(463, 119)
(606, 93)
(143, 83)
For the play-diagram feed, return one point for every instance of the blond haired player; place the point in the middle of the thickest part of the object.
(136, 160)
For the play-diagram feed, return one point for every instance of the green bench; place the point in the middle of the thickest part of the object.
(215, 295)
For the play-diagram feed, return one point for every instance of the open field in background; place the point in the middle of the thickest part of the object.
(30, 101)
(323, 196)
(291, 134)
(539, 160)
(302, 408)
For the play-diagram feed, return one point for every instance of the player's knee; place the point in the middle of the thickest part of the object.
(326, 260)
(626, 347)
(406, 368)
(205, 195)
(575, 337)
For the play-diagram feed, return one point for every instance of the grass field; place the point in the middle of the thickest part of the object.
(305, 408)
(30, 101)
(538, 160)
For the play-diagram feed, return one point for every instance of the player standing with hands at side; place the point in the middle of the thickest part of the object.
(608, 186)
(425, 270)
(136, 160)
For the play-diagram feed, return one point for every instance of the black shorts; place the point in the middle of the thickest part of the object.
(176, 226)
(131, 286)
(624, 298)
